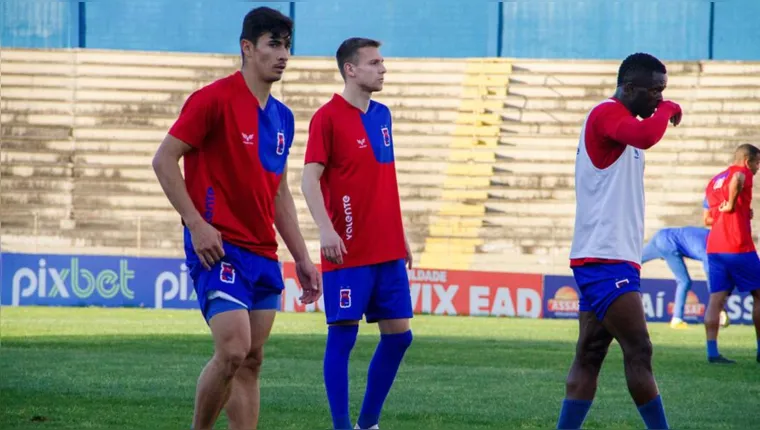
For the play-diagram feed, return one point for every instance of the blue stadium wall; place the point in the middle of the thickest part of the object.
(674, 30)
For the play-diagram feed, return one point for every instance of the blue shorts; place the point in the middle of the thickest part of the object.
(734, 270)
(379, 291)
(601, 284)
(241, 280)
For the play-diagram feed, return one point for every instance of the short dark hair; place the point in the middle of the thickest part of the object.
(264, 20)
(746, 150)
(349, 49)
(636, 64)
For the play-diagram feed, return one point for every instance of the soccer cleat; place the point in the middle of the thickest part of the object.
(720, 360)
(725, 321)
(374, 427)
(678, 324)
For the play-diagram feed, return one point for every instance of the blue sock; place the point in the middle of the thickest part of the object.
(758, 350)
(712, 349)
(340, 342)
(682, 289)
(573, 413)
(382, 371)
(654, 414)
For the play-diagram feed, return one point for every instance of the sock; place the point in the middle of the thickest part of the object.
(382, 371)
(758, 350)
(340, 341)
(712, 349)
(654, 414)
(573, 413)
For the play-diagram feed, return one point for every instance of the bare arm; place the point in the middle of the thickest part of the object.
(331, 243)
(312, 173)
(207, 241)
(286, 220)
(734, 188)
(707, 219)
(166, 167)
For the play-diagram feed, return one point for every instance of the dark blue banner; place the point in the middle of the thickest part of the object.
(83, 280)
(658, 296)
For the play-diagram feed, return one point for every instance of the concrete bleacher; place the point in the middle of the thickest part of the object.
(484, 149)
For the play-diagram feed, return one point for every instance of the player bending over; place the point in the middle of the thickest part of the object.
(673, 245)
(349, 182)
(609, 235)
(235, 139)
(732, 258)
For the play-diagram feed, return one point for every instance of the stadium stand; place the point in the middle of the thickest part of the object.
(484, 148)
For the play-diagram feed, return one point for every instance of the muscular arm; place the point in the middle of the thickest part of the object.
(166, 167)
(286, 220)
(734, 188)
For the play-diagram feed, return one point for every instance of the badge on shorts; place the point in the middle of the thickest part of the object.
(621, 283)
(227, 273)
(345, 298)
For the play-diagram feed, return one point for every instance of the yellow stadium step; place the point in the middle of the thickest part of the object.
(453, 182)
(489, 67)
(477, 131)
(451, 231)
(477, 156)
(469, 169)
(470, 142)
(478, 118)
(458, 195)
(480, 105)
(462, 209)
(470, 92)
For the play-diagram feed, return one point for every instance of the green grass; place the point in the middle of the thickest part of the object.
(89, 368)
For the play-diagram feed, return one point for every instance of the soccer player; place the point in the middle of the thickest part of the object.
(673, 245)
(605, 255)
(732, 258)
(235, 139)
(349, 183)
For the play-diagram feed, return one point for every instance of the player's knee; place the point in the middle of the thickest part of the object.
(254, 359)
(403, 341)
(593, 357)
(639, 352)
(232, 357)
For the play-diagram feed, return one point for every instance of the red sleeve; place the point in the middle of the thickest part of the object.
(196, 119)
(620, 126)
(319, 143)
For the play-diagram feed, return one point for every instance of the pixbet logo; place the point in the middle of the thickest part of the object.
(52, 282)
(169, 286)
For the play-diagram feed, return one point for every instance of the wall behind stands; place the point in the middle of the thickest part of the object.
(676, 30)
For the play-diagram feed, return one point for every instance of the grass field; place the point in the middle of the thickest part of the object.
(136, 369)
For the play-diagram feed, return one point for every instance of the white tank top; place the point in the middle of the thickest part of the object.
(609, 209)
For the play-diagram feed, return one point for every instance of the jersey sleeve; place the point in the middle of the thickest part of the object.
(196, 119)
(319, 144)
(619, 125)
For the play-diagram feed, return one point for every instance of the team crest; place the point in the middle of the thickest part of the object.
(386, 136)
(227, 273)
(345, 298)
(280, 143)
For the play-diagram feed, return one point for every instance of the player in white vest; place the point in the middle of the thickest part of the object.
(609, 234)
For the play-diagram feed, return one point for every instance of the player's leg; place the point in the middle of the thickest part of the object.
(391, 307)
(243, 405)
(626, 321)
(683, 285)
(745, 272)
(651, 251)
(266, 284)
(231, 333)
(346, 292)
(720, 284)
(591, 349)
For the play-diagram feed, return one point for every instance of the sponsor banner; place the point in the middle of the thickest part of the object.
(451, 292)
(84, 280)
(658, 297)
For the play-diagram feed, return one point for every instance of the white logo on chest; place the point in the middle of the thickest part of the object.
(247, 139)
(362, 143)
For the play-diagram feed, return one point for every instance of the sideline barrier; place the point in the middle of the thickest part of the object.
(108, 281)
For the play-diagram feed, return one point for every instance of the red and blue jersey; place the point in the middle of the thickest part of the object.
(239, 155)
(731, 233)
(359, 182)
